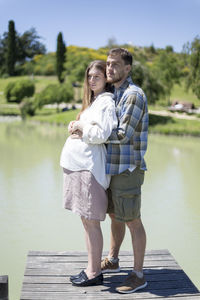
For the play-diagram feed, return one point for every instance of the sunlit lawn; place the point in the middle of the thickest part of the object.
(62, 118)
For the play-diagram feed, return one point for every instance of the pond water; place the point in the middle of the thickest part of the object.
(31, 213)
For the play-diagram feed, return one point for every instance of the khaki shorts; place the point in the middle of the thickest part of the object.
(124, 195)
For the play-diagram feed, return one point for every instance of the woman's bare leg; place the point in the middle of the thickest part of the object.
(94, 242)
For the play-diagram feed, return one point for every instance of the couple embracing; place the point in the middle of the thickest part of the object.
(103, 166)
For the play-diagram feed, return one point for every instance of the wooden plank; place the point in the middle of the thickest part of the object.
(64, 266)
(66, 259)
(67, 272)
(103, 295)
(47, 277)
(171, 279)
(78, 253)
(180, 285)
(159, 276)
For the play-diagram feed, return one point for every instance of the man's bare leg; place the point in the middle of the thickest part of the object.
(135, 280)
(138, 236)
(117, 236)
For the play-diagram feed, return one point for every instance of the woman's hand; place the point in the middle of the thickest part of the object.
(70, 127)
(77, 125)
(75, 129)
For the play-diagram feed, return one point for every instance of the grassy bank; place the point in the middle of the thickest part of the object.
(9, 110)
(173, 126)
(62, 118)
(158, 124)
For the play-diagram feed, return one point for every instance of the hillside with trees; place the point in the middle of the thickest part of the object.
(157, 71)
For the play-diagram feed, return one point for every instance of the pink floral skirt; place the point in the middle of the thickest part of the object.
(83, 195)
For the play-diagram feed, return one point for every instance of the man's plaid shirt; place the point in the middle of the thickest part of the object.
(127, 144)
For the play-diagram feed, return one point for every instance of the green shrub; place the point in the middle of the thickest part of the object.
(156, 119)
(49, 69)
(16, 91)
(66, 92)
(55, 93)
(8, 91)
(47, 96)
(27, 107)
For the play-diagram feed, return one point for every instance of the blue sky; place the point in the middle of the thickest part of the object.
(91, 23)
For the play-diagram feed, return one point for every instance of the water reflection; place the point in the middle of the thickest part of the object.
(171, 206)
(31, 214)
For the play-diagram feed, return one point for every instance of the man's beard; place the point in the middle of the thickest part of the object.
(115, 79)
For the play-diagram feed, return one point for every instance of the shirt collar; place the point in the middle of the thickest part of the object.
(125, 84)
(119, 91)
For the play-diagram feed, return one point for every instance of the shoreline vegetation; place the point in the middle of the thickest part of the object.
(157, 124)
(161, 120)
(167, 124)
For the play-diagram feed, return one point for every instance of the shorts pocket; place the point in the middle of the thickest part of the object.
(127, 205)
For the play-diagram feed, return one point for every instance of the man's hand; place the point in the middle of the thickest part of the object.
(76, 134)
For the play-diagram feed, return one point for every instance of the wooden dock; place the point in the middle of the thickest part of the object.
(3, 287)
(47, 278)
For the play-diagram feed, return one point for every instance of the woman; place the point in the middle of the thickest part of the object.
(83, 160)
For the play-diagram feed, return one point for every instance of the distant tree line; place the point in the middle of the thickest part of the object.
(155, 70)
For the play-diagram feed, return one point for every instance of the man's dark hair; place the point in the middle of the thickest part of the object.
(124, 53)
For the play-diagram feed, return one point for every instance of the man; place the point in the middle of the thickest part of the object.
(125, 161)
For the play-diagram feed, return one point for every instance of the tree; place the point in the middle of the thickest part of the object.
(11, 51)
(78, 73)
(112, 42)
(194, 62)
(168, 70)
(169, 48)
(152, 49)
(2, 56)
(60, 57)
(145, 79)
(25, 47)
(28, 45)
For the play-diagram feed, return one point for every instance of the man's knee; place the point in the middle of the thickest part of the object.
(112, 216)
(115, 221)
(134, 224)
